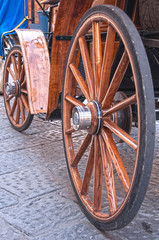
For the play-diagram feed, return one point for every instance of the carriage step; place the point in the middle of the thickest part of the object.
(41, 116)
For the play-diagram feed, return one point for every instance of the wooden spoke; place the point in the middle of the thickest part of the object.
(74, 101)
(120, 106)
(117, 78)
(9, 98)
(107, 62)
(25, 102)
(89, 170)
(109, 177)
(82, 150)
(75, 89)
(18, 112)
(19, 64)
(78, 178)
(120, 133)
(11, 73)
(13, 107)
(14, 66)
(97, 54)
(87, 66)
(24, 91)
(115, 156)
(80, 81)
(23, 83)
(22, 74)
(98, 174)
(69, 131)
(22, 112)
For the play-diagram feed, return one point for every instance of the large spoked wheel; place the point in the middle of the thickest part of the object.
(15, 91)
(109, 177)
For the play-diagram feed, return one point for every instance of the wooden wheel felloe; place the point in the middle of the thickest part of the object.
(109, 178)
(15, 91)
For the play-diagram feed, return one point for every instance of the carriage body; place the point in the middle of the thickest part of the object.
(93, 65)
(60, 14)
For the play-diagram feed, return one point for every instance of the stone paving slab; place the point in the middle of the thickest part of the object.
(7, 232)
(37, 201)
(15, 161)
(7, 198)
(37, 217)
(29, 182)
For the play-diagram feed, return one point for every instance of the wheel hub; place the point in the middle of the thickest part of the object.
(88, 117)
(81, 118)
(13, 88)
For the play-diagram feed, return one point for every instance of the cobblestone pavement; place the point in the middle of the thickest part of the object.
(36, 198)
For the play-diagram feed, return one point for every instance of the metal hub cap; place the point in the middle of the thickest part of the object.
(13, 88)
(81, 118)
(88, 117)
(10, 89)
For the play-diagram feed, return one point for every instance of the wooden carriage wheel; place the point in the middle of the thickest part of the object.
(15, 91)
(109, 179)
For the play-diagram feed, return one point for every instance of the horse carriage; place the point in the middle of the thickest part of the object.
(95, 67)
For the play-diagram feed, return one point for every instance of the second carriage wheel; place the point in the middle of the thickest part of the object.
(15, 91)
(108, 92)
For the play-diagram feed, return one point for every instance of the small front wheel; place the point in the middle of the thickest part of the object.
(15, 91)
(108, 117)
